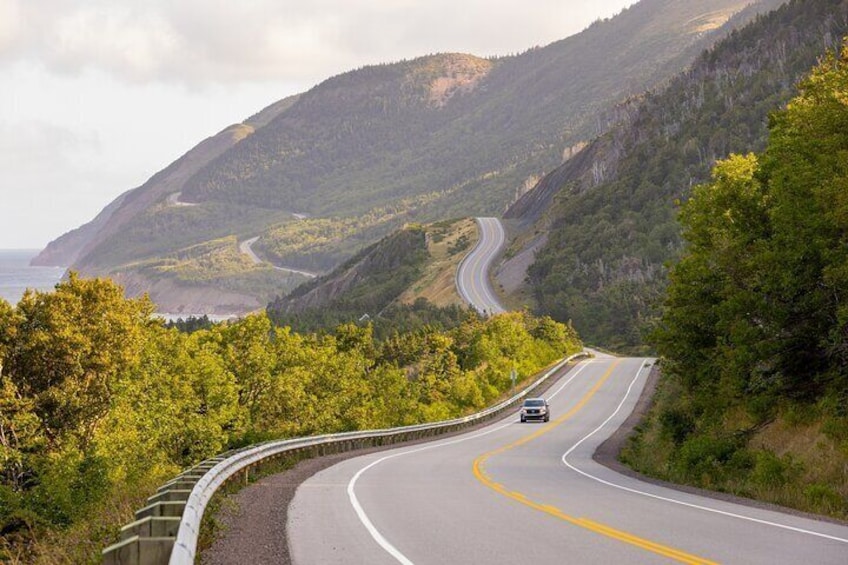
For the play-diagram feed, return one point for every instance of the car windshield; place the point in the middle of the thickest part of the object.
(534, 402)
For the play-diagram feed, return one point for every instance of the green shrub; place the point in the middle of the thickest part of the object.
(701, 459)
(824, 499)
(771, 471)
(676, 425)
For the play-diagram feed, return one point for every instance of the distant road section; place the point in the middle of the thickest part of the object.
(246, 247)
(174, 200)
(472, 277)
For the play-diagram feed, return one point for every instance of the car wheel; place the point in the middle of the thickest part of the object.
(547, 417)
(523, 420)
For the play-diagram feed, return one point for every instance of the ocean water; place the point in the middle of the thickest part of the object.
(16, 275)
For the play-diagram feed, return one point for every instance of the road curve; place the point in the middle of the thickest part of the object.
(246, 247)
(472, 277)
(519, 493)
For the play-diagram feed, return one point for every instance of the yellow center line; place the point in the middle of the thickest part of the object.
(585, 523)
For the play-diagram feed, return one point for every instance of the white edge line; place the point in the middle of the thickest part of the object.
(363, 516)
(672, 500)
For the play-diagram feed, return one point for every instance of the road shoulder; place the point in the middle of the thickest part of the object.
(608, 452)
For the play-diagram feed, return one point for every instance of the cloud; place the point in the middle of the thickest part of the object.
(28, 147)
(10, 24)
(197, 42)
(47, 187)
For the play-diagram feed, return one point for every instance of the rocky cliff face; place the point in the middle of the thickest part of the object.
(72, 248)
(67, 249)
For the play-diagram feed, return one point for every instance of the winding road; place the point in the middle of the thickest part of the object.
(521, 493)
(472, 277)
(246, 247)
(531, 493)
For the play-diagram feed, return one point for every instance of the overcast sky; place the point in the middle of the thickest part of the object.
(98, 95)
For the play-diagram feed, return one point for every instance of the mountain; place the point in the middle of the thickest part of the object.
(319, 176)
(603, 225)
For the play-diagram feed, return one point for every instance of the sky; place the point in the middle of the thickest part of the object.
(98, 95)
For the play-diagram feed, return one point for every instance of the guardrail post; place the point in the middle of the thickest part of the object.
(158, 509)
(178, 484)
(173, 495)
(139, 551)
(152, 527)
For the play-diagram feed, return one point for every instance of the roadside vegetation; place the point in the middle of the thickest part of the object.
(100, 404)
(754, 332)
(320, 244)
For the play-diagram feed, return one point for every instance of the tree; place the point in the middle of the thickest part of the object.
(69, 347)
(756, 308)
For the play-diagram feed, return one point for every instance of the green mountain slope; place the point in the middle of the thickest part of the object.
(157, 194)
(339, 150)
(609, 213)
(386, 283)
(340, 166)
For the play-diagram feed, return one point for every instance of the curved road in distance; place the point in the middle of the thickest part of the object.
(472, 277)
(531, 493)
(246, 247)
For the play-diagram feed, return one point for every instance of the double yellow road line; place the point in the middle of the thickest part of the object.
(482, 476)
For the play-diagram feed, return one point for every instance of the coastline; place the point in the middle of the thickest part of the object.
(17, 275)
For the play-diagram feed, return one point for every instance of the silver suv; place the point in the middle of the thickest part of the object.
(535, 409)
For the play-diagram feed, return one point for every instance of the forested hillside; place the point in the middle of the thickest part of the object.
(100, 404)
(371, 285)
(344, 164)
(754, 332)
(610, 213)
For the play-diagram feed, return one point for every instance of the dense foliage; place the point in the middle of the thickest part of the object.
(99, 403)
(360, 288)
(603, 266)
(223, 264)
(191, 323)
(754, 332)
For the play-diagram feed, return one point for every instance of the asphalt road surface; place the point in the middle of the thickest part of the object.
(531, 493)
(472, 277)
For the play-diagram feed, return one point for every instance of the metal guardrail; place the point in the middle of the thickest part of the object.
(166, 530)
